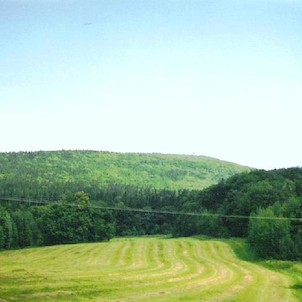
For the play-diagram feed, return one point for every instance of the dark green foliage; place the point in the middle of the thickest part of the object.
(144, 181)
(270, 238)
(186, 226)
(68, 221)
(205, 224)
(74, 221)
(149, 182)
(274, 193)
(8, 230)
(27, 229)
(2, 236)
(138, 223)
(245, 193)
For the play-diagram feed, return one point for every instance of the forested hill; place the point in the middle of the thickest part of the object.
(48, 174)
(265, 206)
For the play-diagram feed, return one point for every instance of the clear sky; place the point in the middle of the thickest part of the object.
(207, 77)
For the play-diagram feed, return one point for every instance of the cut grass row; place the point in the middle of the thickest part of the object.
(144, 269)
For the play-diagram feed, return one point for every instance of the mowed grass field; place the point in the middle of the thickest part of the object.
(142, 269)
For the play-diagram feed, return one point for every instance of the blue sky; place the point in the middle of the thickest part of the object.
(216, 78)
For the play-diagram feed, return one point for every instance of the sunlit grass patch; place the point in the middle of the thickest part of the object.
(146, 269)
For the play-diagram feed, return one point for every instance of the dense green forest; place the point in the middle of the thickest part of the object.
(68, 221)
(145, 181)
(51, 175)
(263, 206)
(272, 200)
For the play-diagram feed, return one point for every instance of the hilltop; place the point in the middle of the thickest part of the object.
(39, 174)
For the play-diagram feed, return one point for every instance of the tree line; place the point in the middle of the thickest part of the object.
(272, 200)
(68, 221)
(268, 197)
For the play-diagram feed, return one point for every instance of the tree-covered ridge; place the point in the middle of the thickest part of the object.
(264, 206)
(50, 174)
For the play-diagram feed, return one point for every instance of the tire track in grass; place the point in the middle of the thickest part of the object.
(140, 256)
(176, 285)
(177, 278)
(155, 279)
(168, 263)
(229, 280)
(124, 257)
(243, 286)
(94, 254)
(147, 260)
(140, 269)
(181, 256)
(169, 256)
(185, 256)
(262, 285)
(258, 284)
(113, 254)
(238, 278)
(158, 266)
(218, 275)
(193, 269)
(254, 281)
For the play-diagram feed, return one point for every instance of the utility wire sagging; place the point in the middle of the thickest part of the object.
(152, 211)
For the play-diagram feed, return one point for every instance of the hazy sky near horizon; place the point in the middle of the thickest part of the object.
(207, 77)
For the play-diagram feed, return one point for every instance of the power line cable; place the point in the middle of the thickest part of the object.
(152, 211)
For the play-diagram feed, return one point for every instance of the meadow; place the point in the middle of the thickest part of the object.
(146, 269)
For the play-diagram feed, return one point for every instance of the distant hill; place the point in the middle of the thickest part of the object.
(40, 174)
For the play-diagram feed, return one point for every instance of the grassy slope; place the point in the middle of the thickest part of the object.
(101, 168)
(143, 269)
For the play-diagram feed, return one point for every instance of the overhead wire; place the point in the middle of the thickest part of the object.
(153, 211)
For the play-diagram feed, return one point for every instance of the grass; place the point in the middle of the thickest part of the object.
(146, 269)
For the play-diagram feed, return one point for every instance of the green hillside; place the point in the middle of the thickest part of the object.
(22, 173)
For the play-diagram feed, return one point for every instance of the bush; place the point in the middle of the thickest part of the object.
(269, 235)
